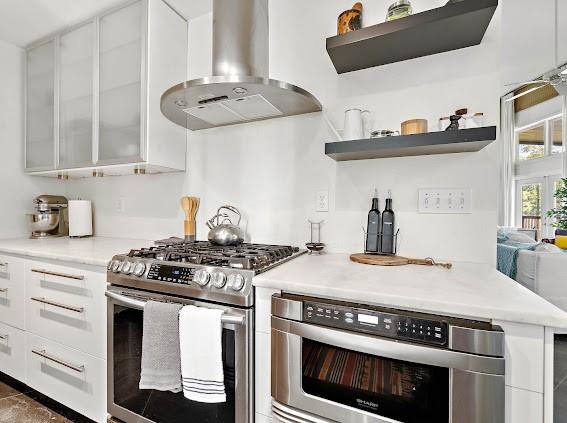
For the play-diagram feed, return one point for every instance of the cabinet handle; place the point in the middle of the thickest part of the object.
(4, 337)
(61, 275)
(3, 264)
(56, 304)
(44, 354)
(3, 290)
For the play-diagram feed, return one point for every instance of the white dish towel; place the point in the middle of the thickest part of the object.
(200, 336)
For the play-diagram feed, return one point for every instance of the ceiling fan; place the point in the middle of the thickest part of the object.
(556, 78)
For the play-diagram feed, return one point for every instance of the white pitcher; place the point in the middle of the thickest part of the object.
(353, 125)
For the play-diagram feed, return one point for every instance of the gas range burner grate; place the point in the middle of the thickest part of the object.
(246, 256)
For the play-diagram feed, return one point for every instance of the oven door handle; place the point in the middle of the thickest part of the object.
(139, 305)
(397, 350)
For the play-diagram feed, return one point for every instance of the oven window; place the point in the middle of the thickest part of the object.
(157, 406)
(408, 392)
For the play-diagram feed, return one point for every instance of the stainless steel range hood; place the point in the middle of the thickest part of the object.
(240, 90)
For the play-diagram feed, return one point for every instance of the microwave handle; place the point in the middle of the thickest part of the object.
(139, 305)
(413, 353)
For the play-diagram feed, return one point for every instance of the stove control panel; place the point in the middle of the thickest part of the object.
(175, 274)
(377, 323)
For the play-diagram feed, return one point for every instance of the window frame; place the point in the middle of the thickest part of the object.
(547, 142)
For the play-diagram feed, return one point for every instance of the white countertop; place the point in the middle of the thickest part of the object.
(469, 290)
(96, 251)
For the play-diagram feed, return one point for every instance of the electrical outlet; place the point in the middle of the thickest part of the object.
(445, 200)
(322, 201)
(121, 205)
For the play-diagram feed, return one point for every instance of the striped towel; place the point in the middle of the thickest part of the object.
(200, 336)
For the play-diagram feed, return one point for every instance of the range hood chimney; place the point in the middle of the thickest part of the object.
(240, 89)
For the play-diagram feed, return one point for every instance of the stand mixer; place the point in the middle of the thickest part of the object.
(51, 218)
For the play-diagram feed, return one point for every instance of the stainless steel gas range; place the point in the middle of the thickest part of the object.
(194, 273)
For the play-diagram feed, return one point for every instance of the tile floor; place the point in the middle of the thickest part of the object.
(21, 404)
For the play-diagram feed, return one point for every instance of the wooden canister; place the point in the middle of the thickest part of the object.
(414, 126)
(350, 20)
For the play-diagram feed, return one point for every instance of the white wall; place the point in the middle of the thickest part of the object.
(271, 170)
(16, 189)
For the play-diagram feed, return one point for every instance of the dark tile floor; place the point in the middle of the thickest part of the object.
(19, 403)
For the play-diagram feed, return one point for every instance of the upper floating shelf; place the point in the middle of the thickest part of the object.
(446, 28)
(444, 142)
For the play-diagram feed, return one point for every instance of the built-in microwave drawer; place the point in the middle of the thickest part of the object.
(67, 305)
(71, 377)
(13, 352)
(12, 287)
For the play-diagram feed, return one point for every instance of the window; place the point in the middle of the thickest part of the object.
(556, 136)
(534, 197)
(531, 143)
(531, 206)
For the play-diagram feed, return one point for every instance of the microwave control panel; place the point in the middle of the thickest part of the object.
(391, 325)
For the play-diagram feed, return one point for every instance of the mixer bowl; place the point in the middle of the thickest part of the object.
(42, 223)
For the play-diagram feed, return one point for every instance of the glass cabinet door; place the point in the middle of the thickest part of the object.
(120, 70)
(40, 107)
(76, 97)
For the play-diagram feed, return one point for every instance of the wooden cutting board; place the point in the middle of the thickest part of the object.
(377, 260)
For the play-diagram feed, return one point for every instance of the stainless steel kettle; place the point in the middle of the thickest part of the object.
(224, 232)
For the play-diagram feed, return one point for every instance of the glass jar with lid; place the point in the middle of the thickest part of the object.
(399, 9)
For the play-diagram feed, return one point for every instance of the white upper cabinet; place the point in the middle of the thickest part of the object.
(76, 55)
(93, 95)
(528, 39)
(40, 107)
(561, 32)
(120, 85)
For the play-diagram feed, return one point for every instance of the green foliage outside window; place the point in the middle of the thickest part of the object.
(559, 212)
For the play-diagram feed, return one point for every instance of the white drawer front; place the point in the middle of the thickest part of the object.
(13, 352)
(71, 377)
(67, 305)
(12, 287)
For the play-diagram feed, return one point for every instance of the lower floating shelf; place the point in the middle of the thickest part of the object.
(445, 142)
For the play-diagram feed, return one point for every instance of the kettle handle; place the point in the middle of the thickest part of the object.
(232, 209)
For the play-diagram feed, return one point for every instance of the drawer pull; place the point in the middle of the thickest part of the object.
(44, 354)
(3, 264)
(56, 304)
(3, 290)
(61, 275)
(4, 337)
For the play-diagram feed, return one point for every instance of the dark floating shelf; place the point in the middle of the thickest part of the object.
(450, 27)
(445, 142)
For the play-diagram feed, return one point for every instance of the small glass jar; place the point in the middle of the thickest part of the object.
(399, 9)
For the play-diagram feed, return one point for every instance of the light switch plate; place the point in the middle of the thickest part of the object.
(322, 201)
(445, 200)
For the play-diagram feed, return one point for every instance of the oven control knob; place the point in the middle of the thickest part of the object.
(116, 266)
(218, 280)
(139, 269)
(236, 281)
(127, 267)
(202, 277)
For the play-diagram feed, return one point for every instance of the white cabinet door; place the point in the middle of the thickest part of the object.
(71, 377)
(561, 32)
(76, 50)
(13, 352)
(120, 84)
(12, 297)
(528, 39)
(40, 107)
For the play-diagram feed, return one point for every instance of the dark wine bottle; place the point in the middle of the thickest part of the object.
(387, 228)
(373, 227)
